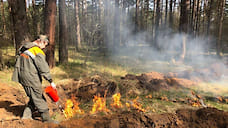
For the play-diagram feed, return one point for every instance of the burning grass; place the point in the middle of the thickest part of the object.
(72, 108)
(150, 103)
(161, 101)
(100, 105)
(116, 101)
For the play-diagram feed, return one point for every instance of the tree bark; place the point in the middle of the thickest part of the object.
(209, 20)
(171, 6)
(78, 35)
(193, 16)
(147, 13)
(84, 35)
(3, 18)
(106, 26)
(171, 14)
(137, 15)
(63, 33)
(100, 9)
(49, 27)
(142, 16)
(116, 33)
(1, 61)
(166, 11)
(157, 23)
(221, 5)
(36, 21)
(198, 17)
(183, 26)
(153, 21)
(20, 24)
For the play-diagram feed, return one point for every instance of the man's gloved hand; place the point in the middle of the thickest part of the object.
(53, 85)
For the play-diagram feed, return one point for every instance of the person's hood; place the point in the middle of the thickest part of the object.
(26, 46)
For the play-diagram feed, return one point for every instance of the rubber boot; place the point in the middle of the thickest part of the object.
(27, 114)
(46, 118)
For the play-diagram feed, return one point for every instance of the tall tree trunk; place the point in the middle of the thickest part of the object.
(106, 25)
(209, 20)
(84, 21)
(70, 23)
(166, 11)
(157, 22)
(142, 16)
(100, 9)
(171, 14)
(49, 27)
(1, 60)
(78, 35)
(221, 9)
(193, 16)
(63, 35)
(36, 18)
(205, 5)
(20, 24)
(197, 17)
(183, 26)
(116, 34)
(171, 5)
(153, 21)
(137, 15)
(26, 9)
(12, 36)
(3, 18)
(147, 5)
(123, 22)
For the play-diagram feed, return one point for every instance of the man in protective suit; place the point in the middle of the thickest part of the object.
(30, 67)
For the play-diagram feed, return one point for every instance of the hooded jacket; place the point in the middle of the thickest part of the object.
(31, 66)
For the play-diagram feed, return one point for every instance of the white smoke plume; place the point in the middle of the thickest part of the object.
(137, 53)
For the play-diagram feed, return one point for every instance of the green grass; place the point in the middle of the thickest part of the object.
(97, 63)
(220, 106)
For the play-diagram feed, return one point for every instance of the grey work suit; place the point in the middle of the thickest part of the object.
(29, 69)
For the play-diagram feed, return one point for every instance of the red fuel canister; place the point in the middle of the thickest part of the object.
(52, 93)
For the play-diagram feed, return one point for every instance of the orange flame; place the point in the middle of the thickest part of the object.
(116, 101)
(196, 104)
(99, 105)
(149, 96)
(71, 108)
(76, 107)
(136, 105)
(68, 111)
(128, 105)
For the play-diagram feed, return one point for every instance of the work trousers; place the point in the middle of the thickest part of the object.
(36, 98)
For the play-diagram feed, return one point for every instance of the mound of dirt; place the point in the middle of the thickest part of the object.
(12, 102)
(153, 81)
(86, 88)
(185, 118)
(202, 118)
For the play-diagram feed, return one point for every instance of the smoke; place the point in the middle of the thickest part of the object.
(136, 50)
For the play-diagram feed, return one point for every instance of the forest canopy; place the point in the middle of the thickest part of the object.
(178, 27)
